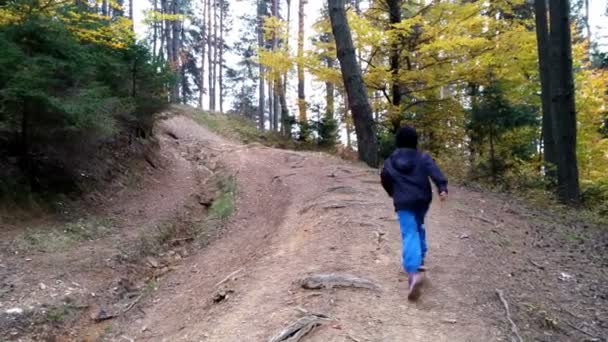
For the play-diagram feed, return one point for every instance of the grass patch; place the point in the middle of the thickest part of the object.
(151, 286)
(67, 235)
(223, 206)
(245, 131)
(61, 312)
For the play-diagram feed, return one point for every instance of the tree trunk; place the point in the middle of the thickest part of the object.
(274, 84)
(365, 127)
(182, 67)
(261, 82)
(271, 116)
(285, 120)
(215, 53)
(276, 110)
(154, 28)
(300, 63)
(542, 38)
(221, 58)
(587, 26)
(131, 15)
(210, 39)
(204, 38)
(562, 101)
(394, 7)
(347, 121)
(329, 92)
(167, 30)
(493, 157)
(104, 7)
(175, 48)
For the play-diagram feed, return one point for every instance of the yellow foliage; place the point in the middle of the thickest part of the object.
(277, 62)
(89, 26)
(592, 147)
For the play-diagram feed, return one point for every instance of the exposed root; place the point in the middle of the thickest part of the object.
(296, 330)
(514, 329)
(331, 280)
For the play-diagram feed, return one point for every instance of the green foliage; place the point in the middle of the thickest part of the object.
(223, 206)
(304, 130)
(327, 132)
(498, 128)
(60, 237)
(67, 74)
(62, 312)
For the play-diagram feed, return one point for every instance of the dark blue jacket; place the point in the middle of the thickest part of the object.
(405, 177)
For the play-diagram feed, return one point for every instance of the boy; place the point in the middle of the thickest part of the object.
(405, 177)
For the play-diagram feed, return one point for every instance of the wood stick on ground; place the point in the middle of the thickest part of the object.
(583, 331)
(296, 331)
(131, 305)
(514, 329)
(228, 277)
(483, 219)
(534, 263)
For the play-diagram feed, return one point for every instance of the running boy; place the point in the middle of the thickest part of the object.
(405, 177)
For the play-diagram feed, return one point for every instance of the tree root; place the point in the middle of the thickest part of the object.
(331, 280)
(296, 330)
(514, 329)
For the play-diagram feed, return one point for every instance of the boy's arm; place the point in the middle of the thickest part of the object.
(387, 182)
(437, 176)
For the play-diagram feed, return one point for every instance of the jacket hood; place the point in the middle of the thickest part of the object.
(404, 160)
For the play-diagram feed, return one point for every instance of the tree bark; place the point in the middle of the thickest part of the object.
(329, 93)
(394, 7)
(210, 54)
(154, 26)
(285, 120)
(276, 83)
(587, 26)
(261, 82)
(175, 48)
(300, 63)
(167, 30)
(276, 110)
(562, 101)
(182, 65)
(215, 54)
(285, 124)
(131, 15)
(347, 121)
(271, 115)
(221, 57)
(204, 37)
(365, 127)
(542, 38)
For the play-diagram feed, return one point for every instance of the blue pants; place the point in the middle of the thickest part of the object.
(413, 235)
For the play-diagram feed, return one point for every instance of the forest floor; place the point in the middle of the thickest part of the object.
(296, 215)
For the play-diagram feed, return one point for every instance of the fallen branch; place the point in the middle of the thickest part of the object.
(352, 338)
(534, 263)
(228, 277)
(295, 331)
(583, 331)
(131, 305)
(514, 329)
(483, 219)
(331, 280)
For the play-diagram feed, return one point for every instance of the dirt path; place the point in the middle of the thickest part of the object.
(300, 214)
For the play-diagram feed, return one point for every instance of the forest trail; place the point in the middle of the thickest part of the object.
(301, 213)
(298, 214)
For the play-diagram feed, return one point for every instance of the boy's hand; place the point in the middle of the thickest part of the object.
(443, 196)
